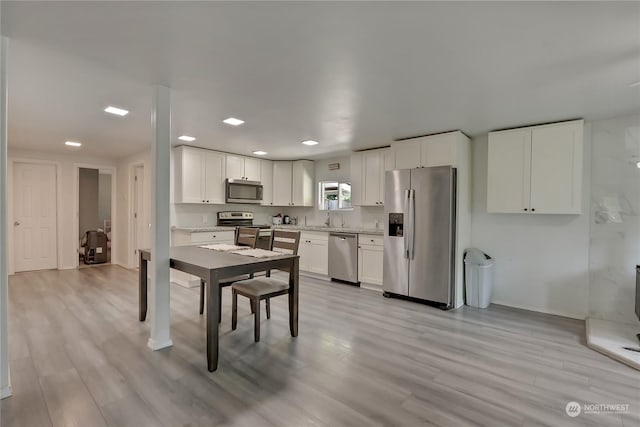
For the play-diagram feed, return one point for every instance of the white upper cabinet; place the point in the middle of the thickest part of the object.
(536, 169)
(302, 186)
(439, 150)
(266, 178)
(427, 151)
(199, 176)
(252, 171)
(509, 170)
(407, 154)
(293, 183)
(239, 167)
(367, 176)
(356, 178)
(189, 175)
(214, 172)
(282, 180)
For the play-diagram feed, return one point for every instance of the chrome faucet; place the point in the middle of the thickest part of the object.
(342, 220)
(328, 221)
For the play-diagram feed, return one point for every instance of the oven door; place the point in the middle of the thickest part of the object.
(241, 191)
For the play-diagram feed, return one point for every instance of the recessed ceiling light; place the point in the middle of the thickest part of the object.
(310, 142)
(259, 153)
(638, 165)
(635, 84)
(115, 110)
(233, 121)
(73, 144)
(186, 138)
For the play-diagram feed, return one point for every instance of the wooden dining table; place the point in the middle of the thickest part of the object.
(214, 266)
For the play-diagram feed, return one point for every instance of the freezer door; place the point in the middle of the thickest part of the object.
(432, 207)
(395, 262)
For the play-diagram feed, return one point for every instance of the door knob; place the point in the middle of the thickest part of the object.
(17, 223)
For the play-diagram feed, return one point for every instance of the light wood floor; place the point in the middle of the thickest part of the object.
(79, 358)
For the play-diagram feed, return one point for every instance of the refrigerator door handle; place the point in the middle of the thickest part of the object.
(412, 221)
(406, 225)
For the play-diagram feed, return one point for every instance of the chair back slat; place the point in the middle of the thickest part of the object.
(285, 241)
(247, 236)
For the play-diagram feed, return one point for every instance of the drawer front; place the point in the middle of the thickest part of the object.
(370, 240)
(314, 235)
(212, 236)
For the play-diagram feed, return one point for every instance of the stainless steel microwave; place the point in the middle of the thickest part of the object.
(243, 191)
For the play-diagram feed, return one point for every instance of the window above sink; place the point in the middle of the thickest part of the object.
(334, 196)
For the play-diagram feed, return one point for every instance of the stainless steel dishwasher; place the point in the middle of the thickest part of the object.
(343, 257)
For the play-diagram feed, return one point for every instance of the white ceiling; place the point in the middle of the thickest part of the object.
(350, 75)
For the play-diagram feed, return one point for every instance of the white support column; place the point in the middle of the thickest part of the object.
(160, 173)
(5, 380)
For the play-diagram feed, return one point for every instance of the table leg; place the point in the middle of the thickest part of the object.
(212, 306)
(142, 279)
(294, 285)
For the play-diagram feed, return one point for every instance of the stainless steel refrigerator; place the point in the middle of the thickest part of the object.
(419, 234)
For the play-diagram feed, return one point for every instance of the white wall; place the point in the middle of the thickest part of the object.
(67, 237)
(542, 261)
(615, 246)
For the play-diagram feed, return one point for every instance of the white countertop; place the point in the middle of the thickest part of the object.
(356, 230)
(201, 228)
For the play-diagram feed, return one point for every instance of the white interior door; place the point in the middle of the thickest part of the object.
(35, 236)
(138, 212)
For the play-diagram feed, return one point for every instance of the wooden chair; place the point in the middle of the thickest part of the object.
(265, 288)
(244, 236)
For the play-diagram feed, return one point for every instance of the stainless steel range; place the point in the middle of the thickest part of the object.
(245, 219)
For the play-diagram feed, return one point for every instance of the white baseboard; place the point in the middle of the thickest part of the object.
(6, 392)
(314, 275)
(540, 310)
(371, 286)
(159, 345)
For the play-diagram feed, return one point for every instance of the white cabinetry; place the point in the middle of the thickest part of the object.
(367, 176)
(370, 257)
(282, 180)
(536, 169)
(266, 178)
(239, 167)
(199, 176)
(314, 252)
(293, 183)
(427, 151)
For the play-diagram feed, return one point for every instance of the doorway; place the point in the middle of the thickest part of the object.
(137, 214)
(95, 200)
(35, 216)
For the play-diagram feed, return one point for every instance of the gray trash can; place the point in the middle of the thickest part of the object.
(478, 278)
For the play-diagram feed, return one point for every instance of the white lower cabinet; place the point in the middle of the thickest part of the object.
(186, 238)
(314, 252)
(370, 255)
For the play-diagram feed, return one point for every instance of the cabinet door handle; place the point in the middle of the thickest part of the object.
(533, 209)
(525, 209)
